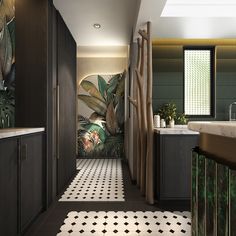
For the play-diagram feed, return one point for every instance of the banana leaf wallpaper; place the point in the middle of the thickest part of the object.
(101, 116)
(7, 63)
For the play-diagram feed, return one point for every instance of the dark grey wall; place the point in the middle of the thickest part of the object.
(168, 78)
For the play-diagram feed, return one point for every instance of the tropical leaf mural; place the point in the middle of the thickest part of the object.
(94, 103)
(7, 104)
(102, 84)
(91, 89)
(101, 134)
(111, 120)
(7, 63)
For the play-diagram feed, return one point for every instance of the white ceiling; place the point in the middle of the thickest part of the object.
(115, 16)
(118, 17)
(184, 27)
(199, 8)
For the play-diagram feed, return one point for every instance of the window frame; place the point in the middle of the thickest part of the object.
(212, 80)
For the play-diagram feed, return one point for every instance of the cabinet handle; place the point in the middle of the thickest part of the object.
(58, 121)
(24, 152)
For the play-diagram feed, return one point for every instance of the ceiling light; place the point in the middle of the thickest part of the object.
(97, 26)
(199, 8)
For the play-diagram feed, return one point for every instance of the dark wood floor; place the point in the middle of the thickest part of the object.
(50, 222)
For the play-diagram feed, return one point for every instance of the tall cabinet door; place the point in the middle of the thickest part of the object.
(8, 187)
(31, 178)
(66, 118)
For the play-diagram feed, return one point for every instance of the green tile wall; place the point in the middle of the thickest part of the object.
(213, 197)
(210, 172)
(168, 78)
(222, 200)
(194, 205)
(201, 195)
(232, 202)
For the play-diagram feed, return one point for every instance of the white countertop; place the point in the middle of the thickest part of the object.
(12, 132)
(222, 128)
(178, 129)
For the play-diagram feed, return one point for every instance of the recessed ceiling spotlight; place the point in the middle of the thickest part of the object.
(97, 26)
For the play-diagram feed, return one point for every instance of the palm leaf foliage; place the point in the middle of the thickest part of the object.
(7, 109)
(7, 71)
(104, 135)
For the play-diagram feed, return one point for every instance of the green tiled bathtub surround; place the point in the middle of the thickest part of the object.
(210, 197)
(222, 200)
(201, 195)
(213, 197)
(194, 194)
(232, 202)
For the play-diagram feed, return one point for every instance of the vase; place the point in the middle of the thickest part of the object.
(163, 123)
(172, 123)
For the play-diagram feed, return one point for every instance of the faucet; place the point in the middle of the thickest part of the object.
(230, 112)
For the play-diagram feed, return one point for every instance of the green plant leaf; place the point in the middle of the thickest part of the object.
(120, 111)
(94, 103)
(113, 82)
(94, 127)
(110, 98)
(83, 120)
(7, 10)
(91, 89)
(181, 119)
(11, 28)
(114, 146)
(9, 81)
(102, 85)
(111, 120)
(168, 111)
(5, 51)
(7, 109)
(121, 85)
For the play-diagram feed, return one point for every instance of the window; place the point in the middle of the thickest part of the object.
(199, 82)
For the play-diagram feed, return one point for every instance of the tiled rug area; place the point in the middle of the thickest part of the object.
(128, 223)
(97, 180)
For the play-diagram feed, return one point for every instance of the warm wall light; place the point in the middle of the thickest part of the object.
(199, 8)
(97, 26)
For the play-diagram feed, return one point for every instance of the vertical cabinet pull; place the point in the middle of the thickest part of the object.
(58, 121)
(23, 152)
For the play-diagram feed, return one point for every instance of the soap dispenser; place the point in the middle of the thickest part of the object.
(232, 115)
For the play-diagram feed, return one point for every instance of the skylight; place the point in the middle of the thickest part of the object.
(199, 8)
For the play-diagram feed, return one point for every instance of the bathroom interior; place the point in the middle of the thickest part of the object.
(117, 117)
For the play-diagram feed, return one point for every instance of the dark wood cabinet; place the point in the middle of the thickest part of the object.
(21, 182)
(67, 86)
(8, 187)
(173, 166)
(31, 178)
(46, 86)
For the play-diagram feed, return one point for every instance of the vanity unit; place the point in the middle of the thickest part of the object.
(22, 178)
(214, 179)
(173, 148)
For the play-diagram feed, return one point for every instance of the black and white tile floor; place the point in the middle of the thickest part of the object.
(128, 223)
(97, 180)
(87, 217)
